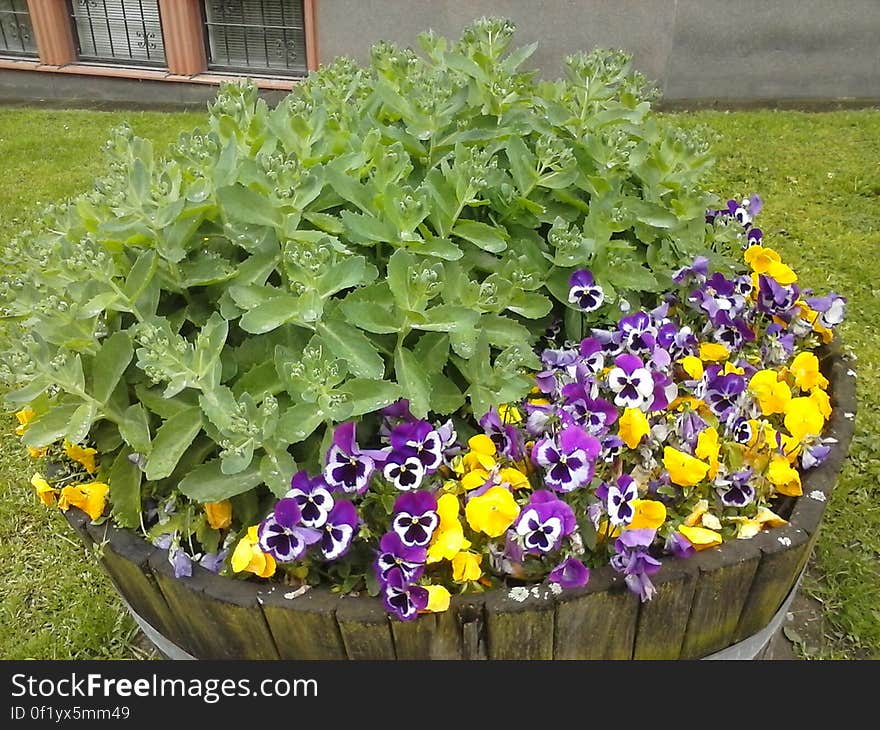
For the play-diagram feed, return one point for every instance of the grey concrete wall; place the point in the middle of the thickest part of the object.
(695, 50)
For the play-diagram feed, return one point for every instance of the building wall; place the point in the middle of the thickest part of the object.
(695, 50)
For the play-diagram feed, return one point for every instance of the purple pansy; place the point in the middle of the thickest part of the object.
(395, 556)
(584, 292)
(404, 472)
(214, 561)
(740, 429)
(814, 454)
(403, 598)
(736, 490)
(570, 573)
(348, 468)
(415, 518)
(544, 522)
(679, 546)
(568, 459)
(635, 562)
(339, 530)
(619, 500)
(831, 309)
(592, 355)
(724, 393)
(638, 332)
(419, 439)
(631, 382)
(698, 270)
(282, 533)
(506, 437)
(312, 497)
(774, 298)
(180, 561)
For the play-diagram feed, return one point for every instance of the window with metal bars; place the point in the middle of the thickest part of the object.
(126, 32)
(264, 35)
(16, 33)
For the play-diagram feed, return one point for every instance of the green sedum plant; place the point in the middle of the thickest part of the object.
(407, 229)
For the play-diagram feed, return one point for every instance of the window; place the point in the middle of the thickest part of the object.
(16, 34)
(127, 32)
(264, 35)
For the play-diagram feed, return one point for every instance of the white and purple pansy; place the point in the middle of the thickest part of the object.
(724, 393)
(339, 530)
(831, 309)
(638, 332)
(631, 382)
(736, 490)
(568, 459)
(348, 467)
(282, 533)
(415, 518)
(394, 555)
(403, 471)
(506, 437)
(419, 439)
(570, 573)
(592, 355)
(312, 497)
(619, 502)
(403, 598)
(635, 562)
(584, 292)
(544, 522)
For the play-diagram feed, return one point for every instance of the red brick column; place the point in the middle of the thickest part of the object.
(311, 34)
(52, 26)
(184, 36)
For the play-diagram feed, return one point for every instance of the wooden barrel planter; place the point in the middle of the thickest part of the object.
(716, 599)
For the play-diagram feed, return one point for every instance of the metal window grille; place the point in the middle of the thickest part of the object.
(127, 32)
(268, 35)
(16, 33)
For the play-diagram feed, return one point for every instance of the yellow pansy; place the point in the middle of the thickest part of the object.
(784, 477)
(91, 498)
(713, 352)
(693, 366)
(37, 453)
(772, 394)
(822, 401)
(684, 469)
(760, 259)
(694, 404)
(730, 368)
(45, 491)
(474, 479)
(707, 449)
(448, 539)
(248, 557)
(710, 521)
(700, 508)
(219, 514)
(633, 427)
(649, 514)
(805, 369)
(803, 418)
(466, 567)
(514, 477)
(24, 416)
(700, 537)
(438, 599)
(83, 456)
(493, 512)
(509, 414)
(482, 453)
(749, 527)
(782, 273)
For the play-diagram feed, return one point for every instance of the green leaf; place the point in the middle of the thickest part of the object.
(165, 407)
(261, 380)
(50, 426)
(399, 266)
(271, 314)
(368, 395)
(299, 422)
(135, 428)
(125, 490)
(172, 439)
(413, 381)
(110, 364)
(630, 275)
(31, 391)
(81, 422)
(367, 229)
(489, 238)
(276, 470)
(530, 305)
(448, 317)
(353, 346)
(370, 316)
(504, 332)
(441, 248)
(446, 398)
(432, 351)
(523, 164)
(207, 483)
(244, 205)
(352, 271)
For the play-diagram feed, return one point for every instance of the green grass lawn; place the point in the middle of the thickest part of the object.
(819, 175)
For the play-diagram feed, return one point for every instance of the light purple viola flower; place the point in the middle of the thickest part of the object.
(678, 545)
(348, 467)
(419, 439)
(732, 333)
(665, 391)
(163, 541)
(584, 292)
(507, 438)
(638, 333)
(180, 561)
(814, 454)
(537, 418)
(568, 459)
(592, 355)
(831, 309)
(773, 298)
(724, 393)
(404, 472)
(415, 518)
(448, 440)
(544, 522)
(688, 425)
(698, 270)
(214, 561)
(777, 345)
(570, 573)
(595, 512)
(339, 530)
(395, 556)
(631, 382)
(619, 500)
(403, 598)
(312, 497)
(612, 447)
(736, 490)
(635, 562)
(282, 533)
(596, 415)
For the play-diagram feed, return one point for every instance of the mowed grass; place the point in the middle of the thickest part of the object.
(819, 175)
